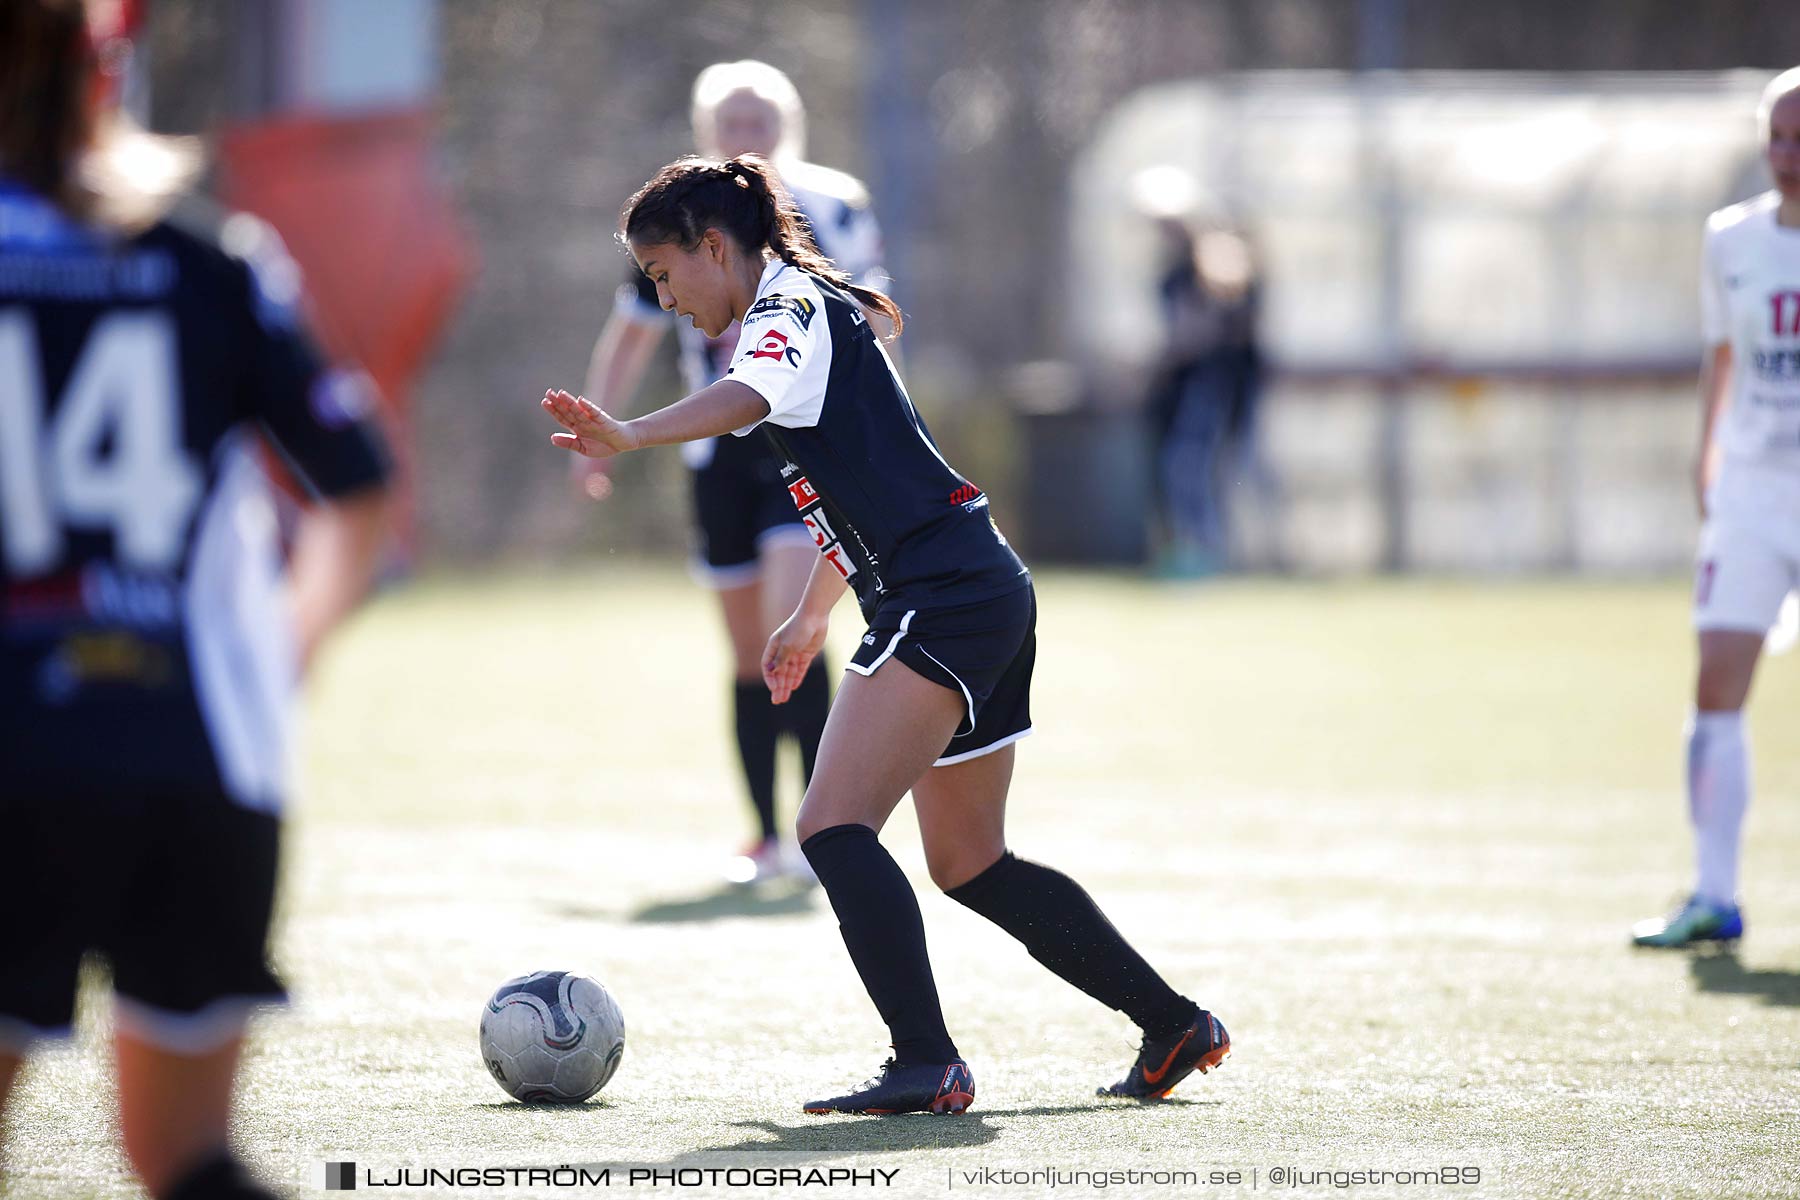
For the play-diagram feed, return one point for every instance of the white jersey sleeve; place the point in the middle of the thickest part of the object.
(784, 351)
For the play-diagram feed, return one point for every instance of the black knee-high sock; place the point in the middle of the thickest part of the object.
(221, 1178)
(805, 711)
(879, 917)
(756, 733)
(1064, 929)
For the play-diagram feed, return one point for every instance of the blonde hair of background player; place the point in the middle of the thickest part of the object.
(1784, 84)
(721, 95)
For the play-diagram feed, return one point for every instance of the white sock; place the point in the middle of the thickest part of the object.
(1718, 781)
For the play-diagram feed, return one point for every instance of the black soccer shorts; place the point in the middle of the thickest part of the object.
(175, 888)
(741, 505)
(984, 650)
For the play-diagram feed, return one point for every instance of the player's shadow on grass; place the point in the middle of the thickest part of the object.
(728, 901)
(826, 1136)
(1721, 972)
(1100, 1106)
(861, 1135)
(545, 1110)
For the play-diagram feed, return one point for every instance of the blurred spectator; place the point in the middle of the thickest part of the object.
(1203, 396)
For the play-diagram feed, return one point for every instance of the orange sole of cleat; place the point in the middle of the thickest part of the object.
(954, 1104)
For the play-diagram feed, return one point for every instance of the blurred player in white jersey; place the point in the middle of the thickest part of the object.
(751, 547)
(1748, 481)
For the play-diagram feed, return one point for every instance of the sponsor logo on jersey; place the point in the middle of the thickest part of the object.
(1777, 366)
(873, 559)
(114, 657)
(812, 515)
(1784, 313)
(100, 592)
(969, 496)
(802, 492)
(839, 558)
(819, 525)
(788, 469)
(798, 307)
(774, 344)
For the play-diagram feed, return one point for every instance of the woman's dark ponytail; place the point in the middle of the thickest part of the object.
(45, 63)
(743, 197)
(94, 168)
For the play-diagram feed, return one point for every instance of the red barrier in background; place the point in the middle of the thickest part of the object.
(359, 205)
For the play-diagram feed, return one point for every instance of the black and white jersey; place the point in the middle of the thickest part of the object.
(836, 208)
(138, 534)
(884, 508)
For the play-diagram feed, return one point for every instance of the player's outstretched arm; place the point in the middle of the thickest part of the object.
(713, 411)
(798, 640)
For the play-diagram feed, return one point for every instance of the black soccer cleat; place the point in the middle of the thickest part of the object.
(949, 1088)
(1164, 1062)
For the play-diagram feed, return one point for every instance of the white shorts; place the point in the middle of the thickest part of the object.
(1749, 555)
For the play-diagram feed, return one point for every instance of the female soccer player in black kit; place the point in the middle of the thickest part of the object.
(147, 649)
(938, 693)
(752, 549)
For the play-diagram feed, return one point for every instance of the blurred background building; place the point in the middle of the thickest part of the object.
(1477, 229)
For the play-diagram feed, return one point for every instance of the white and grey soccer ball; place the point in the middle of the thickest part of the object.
(552, 1037)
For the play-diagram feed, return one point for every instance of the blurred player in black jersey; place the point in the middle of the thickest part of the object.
(148, 650)
(939, 692)
(751, 547)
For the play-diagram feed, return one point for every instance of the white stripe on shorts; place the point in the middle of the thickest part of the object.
(17, 1036)
(950, 760)
(194, 1033)
(791, 534)
(891, 647)
(968, 700)
(723, 579)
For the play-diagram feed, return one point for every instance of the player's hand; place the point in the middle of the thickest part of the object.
(790, 653)
(591, 431)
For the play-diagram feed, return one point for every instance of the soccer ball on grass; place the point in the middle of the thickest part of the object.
(552, 1037)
